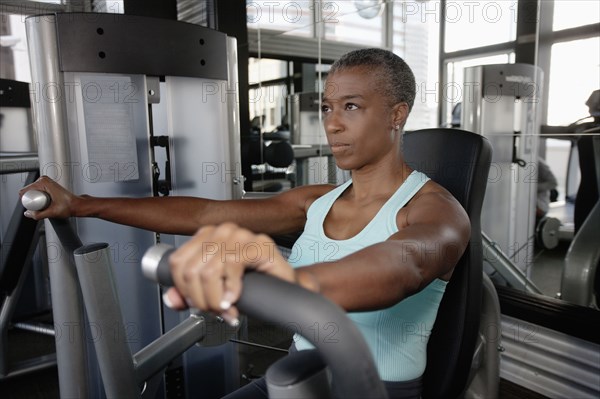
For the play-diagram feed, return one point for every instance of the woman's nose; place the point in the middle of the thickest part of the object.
(332, 123)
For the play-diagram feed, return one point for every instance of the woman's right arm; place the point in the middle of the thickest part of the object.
(280, 214)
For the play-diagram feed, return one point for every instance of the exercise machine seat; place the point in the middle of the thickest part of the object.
(580, 282)
(459, 161)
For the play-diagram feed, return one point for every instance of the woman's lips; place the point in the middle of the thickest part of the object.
(338, 147)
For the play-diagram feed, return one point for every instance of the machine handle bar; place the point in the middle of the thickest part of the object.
(35, 200)
(270, 299)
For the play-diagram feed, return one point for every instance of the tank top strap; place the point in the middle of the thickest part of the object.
(413, 183)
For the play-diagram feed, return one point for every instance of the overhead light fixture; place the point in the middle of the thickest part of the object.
(368, 9)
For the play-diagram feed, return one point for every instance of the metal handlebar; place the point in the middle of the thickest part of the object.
(273, 300)
(35, 200)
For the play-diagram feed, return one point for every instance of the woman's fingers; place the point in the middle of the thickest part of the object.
(174, 300)
(208, 269)
(186, 265)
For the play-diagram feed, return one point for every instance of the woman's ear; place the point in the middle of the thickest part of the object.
(399, 115)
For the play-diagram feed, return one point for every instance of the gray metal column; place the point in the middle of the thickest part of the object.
(501, 102)
(104, 312)
(53, 151)
(233, 109)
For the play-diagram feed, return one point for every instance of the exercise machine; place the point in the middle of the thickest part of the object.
(501, 102)
(131, 106)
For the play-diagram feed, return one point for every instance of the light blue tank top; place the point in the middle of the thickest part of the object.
(398, 335)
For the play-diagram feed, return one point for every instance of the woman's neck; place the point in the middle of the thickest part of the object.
(378, 180)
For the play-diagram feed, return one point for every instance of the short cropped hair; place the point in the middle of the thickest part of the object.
(396, 79)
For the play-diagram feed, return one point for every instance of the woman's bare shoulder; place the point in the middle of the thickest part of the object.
(433, 202)
(434, 191)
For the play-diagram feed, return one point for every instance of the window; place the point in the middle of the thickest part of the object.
(574, 74)
(473, 24)
(260, 70)
(268, 92)
(14, 56)
(573, 13)
(357, 22)
(13, 48)
(289, 17)
(416, 40)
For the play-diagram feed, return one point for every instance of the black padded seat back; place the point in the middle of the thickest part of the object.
(459, 161)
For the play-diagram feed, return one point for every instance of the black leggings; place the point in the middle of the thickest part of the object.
(257, 389)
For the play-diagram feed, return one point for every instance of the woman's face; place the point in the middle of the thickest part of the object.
(358, 119)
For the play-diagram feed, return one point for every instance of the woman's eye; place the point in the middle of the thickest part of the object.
(351, 106)
(324, 108)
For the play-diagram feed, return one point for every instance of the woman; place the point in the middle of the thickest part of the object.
(382, 245)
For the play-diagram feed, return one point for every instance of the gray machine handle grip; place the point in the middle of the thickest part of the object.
(35, 200)
(155, 264)
(270, 299)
